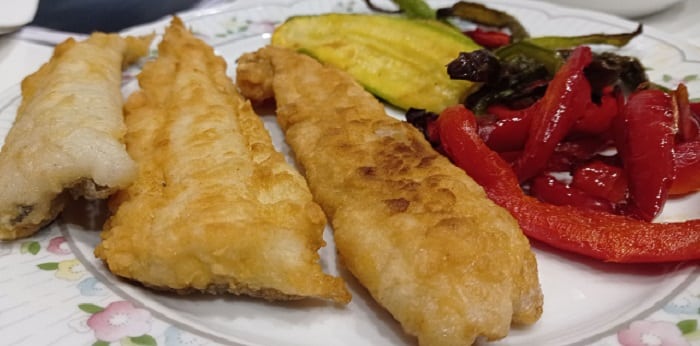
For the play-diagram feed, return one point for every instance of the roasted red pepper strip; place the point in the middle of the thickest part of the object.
(488, 39)
(598, 118)
(567, 95)
(695, 109)
(507, 134)
(602, 180)
(648, 135)
(595, 234)
(502, 112)
(570, 154)
(686, 159)
(460, 140)
(548, 189)
(688, 127)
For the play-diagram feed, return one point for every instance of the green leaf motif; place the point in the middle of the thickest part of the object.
(100, 343)
(690, 78)
(34, 247)
(90, 308)
(667, 78)
(31, 247)
(692, 336)
(144, 340)
(687, 326)
(48, 266)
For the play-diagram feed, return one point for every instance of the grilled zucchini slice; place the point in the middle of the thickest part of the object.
(398, 59)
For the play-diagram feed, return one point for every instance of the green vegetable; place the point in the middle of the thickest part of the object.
(399, 59)
(570, 42)
(482, 15)
(416, 9)
(548, 58)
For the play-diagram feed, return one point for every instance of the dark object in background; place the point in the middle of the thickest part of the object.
(86, 16)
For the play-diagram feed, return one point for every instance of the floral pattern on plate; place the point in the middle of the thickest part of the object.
(45, 286)
(95, 315)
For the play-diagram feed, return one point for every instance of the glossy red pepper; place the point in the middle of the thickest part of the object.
(503, 112)
(459, 139)
(570, 154)
(686, 159)
(567, 94)
(597, 119)
(548, 189)
(695, 108)
(647, 155)
(602, 180)
(595, 234)
(507, 133)
(488, 39)
(688, 127)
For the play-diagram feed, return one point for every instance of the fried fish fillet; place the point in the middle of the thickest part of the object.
(214, 207)
(67, 137)
(450, 265)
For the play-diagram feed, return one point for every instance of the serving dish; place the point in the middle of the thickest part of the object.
(15, 14)
(52, 283)
(625, 8)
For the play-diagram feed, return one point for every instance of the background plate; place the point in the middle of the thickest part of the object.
(52, 280)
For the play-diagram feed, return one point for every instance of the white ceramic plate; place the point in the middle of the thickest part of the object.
(53, 291)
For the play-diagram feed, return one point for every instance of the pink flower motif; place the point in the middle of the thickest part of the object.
(118, 320)
(651, 333)
(58, 246)
(266, 26)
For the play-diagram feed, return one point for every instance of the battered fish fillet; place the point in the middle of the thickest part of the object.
(419, 234)
(67, 137)
(214, 207)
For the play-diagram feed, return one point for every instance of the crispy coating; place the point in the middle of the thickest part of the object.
(419, 234)
(67, 137)
(214, 207)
